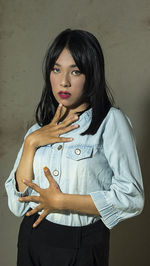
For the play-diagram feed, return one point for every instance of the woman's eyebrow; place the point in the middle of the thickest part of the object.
(69, 66)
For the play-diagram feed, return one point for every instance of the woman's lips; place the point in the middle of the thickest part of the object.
(64, 94)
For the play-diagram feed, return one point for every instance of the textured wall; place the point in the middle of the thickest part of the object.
(26, 29)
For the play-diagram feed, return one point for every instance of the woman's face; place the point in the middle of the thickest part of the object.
(67, 82)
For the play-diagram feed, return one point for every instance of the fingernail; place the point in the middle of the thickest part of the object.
(45, 169)
(60, 104)
(70, 139)
(34, 225)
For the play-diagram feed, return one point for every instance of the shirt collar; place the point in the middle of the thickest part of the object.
(86, 115)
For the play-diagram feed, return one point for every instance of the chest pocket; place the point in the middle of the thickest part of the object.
(79, 152)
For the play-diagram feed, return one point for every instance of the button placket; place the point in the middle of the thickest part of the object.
(59, 147)
(56, 171)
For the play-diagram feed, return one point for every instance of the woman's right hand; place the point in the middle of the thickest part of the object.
(50, 133)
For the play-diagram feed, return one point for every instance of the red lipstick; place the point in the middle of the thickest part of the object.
(64, 94)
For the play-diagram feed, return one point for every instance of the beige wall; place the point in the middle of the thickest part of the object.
(123, 28)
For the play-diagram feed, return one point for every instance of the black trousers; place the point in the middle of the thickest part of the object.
(51, 244)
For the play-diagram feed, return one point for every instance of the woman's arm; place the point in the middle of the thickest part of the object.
(25, 167)
(11, 184)
(78, 204)
(125, 197)
(48, 134)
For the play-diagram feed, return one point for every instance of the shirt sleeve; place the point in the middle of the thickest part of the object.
(16, 207)
(125, 198)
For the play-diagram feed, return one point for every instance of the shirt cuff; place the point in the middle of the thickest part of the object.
(25, 193)
(108, 213)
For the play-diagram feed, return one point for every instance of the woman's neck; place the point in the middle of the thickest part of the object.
(78, 110)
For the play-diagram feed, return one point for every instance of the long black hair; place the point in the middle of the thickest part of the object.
(88, 56)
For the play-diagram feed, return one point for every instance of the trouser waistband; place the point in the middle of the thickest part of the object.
(68, 236)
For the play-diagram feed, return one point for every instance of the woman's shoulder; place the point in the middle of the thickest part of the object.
(115, 113)
(32, 128)
(116, 119)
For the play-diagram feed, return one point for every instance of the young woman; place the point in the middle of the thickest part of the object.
(77, 174)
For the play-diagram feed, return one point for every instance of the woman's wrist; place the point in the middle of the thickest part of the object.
(77, 203)
(60, 202)
(25, 167)
(30, 143)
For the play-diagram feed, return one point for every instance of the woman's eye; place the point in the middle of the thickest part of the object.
(55, 70)
(76, 72)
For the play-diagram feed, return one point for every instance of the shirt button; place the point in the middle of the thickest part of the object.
(59, 147)
(77, 151)
(55, 172)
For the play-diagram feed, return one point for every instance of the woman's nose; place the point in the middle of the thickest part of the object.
(65, 81)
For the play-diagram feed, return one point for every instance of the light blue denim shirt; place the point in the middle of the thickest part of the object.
(104, 165)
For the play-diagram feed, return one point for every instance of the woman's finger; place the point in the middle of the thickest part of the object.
(41, 217)
(35, 210)
(29, 198)
(48, 174)
(67, 129)
(57, 114)
(62, 139)
(69, 120)
(32, 185)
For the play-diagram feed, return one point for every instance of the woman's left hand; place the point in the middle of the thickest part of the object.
(48, 198)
